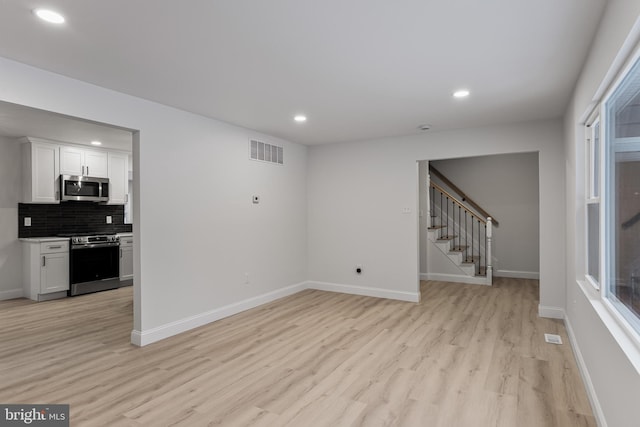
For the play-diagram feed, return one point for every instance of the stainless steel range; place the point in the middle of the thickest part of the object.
(94, 263)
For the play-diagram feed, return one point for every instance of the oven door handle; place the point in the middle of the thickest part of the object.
(94, 246)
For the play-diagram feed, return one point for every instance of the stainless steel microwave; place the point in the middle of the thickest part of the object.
(84, 188)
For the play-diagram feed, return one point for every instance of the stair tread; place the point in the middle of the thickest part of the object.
(446, 238)
(435, 227)
(459, 248)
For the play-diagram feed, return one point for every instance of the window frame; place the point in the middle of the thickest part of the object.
(593, 191)
(615, 308)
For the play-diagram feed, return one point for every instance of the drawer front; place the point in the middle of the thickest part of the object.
(53, 247)
(126, 241)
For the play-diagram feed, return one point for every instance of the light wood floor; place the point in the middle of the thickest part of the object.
(467, 355)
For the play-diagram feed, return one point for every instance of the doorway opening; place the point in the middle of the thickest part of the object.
(31, 210)
(504, 187)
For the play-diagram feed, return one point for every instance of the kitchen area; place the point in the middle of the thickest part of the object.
(66, 206)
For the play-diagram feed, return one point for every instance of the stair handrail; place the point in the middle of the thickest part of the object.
(488, 225)
(459, 203)
(631, 221)
(462, 195)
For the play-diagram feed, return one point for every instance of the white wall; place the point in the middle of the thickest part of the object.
(423, 220)
(506, 186)
(357, 192)
(10, 193)
(613, 380)
(196, 229)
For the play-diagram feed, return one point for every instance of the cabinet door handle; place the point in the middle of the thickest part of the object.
(87, 170)
(55, 247)
(120, 253)
(82, 170)
(44, 261)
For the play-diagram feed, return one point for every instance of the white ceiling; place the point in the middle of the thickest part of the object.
(17, 121)
(359, 69)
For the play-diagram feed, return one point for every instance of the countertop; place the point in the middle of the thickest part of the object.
(59, 239)
(43, 239)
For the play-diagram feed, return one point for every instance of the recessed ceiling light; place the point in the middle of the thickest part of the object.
(49, 16)
(96, 143)
(424, 127)
(300, 118)
(462, 93)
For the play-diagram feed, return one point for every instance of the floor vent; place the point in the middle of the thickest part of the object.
(263, 152)
(552, 339)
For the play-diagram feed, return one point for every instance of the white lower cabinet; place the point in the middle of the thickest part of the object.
(126, 258)
(54, 273)
(46, 268)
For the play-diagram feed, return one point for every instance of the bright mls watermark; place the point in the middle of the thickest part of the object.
(34, 415)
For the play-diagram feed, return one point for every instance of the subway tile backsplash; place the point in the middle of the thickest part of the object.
(70, 217)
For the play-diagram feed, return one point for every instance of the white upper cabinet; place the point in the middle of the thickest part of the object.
(96, 164)
(82, 162)
(71, 161)
(44, 161)
(41, 171)
(118, 178)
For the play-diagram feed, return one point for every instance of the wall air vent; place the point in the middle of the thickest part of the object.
(263, 152)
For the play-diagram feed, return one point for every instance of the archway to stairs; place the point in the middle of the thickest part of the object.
(507, 187)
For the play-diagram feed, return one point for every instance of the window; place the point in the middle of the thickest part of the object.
(621, 190)
(593, 203)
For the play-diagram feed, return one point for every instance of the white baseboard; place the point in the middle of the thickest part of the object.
(454, 278)
(517, 274)
(11, 294)
(366, 291)
(142, 338)
(551, 312)
(586, 378)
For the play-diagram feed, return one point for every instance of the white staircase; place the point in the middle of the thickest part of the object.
(462, 235)
(470, 266)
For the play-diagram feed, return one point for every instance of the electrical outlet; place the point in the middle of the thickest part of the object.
(406, 210)
(27, 221)
(109, 220)
(246, 278)
(256, 200)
